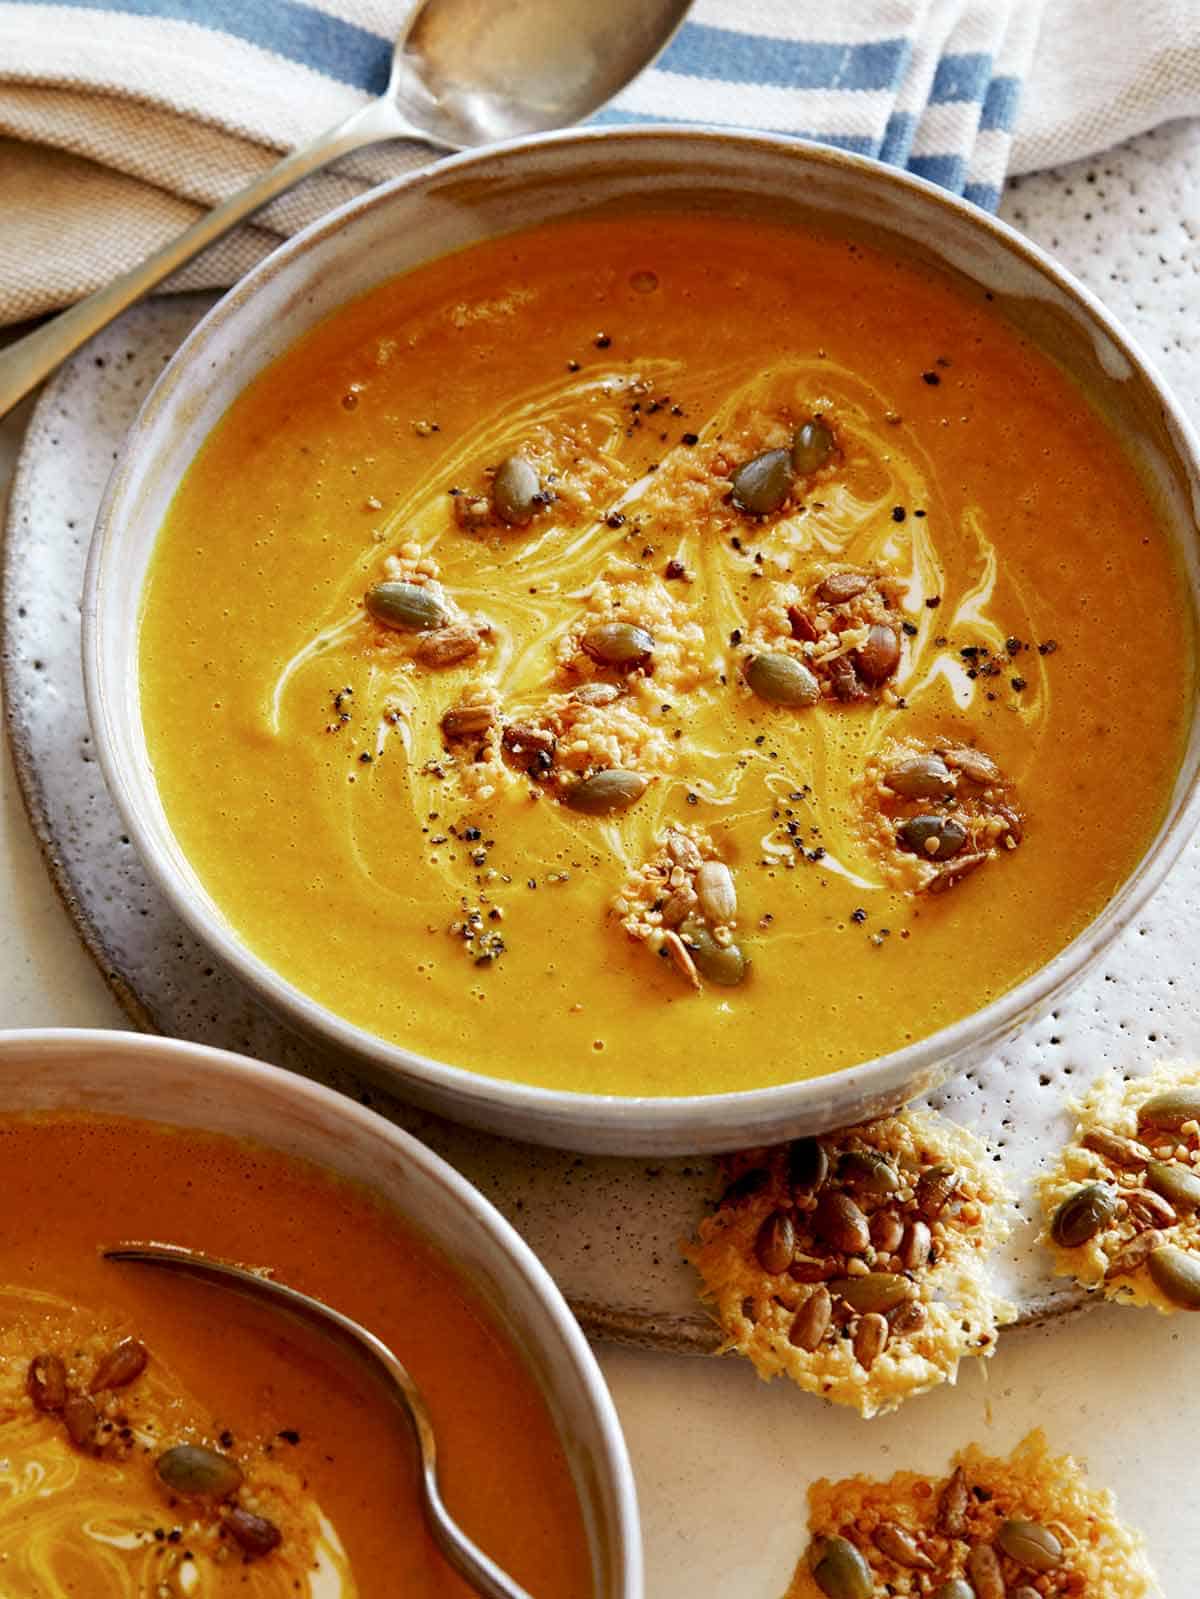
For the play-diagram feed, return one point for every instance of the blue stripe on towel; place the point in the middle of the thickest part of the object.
(1000, 105)
(701, 51)
(614, 117)
(961, 77)
(948, 170)
(985, 195)
(298, 32)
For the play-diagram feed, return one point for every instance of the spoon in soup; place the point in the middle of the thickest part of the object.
(463, 73)
(466, 1557)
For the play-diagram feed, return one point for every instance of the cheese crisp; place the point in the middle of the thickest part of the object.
(856, 1264)
(1025, 1527)
(1122, 1205)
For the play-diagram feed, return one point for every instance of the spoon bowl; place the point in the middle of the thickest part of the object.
(466, 1557)
(469, 72)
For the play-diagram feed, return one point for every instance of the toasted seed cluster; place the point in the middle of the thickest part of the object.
(1122, 1205)
(412, 613)
(1028, 1526)
(840, 627)
(633, 623)
(856, 1263)
(936, 813)
(682, 905)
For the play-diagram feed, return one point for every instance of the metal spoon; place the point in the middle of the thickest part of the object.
(467, 1559)
(464, 72)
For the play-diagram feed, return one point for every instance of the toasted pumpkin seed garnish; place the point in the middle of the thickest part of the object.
(606, 793)
(762, 484)
(407, 607)
(781, 680)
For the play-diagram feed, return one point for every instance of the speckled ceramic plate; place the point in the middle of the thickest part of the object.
(608, 1229)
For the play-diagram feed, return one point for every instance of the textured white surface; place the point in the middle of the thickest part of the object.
(723, 1462)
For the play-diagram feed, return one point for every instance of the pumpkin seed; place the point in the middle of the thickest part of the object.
(807, 1165)
(900, 1545)
(920, 777)
(762, 485)
(953, 1502)
(956, 1588)
(1171, 1109)
(840, 1571)
(680, 958)
(879, 656)
(918, 1242)
(516, 491)
(911, 1316)
(596, 693)
(198, 1473)
(812, 446)
(781, 680)
(123, 1363)
(951, 875)
(1176, 1274)
(82, 1420)
(839, 1221)
(717, 895)
(873, 1291)
(887, 1231)
(775, 1244)
(406, 607)
(606, 792)
(983, 1569)
(467, 721)
(972, 763)
(46, 1381)
(1082, 1215)
(1116, 1149)
(619, 644)
(446, 646)
(1030, 1544)
(254, 1535)
(843, 680)
(1150, 1208)
(869, 1172)
(530, 749)
(1178, 1184)
(934, 838)
(811, 1321)
(839, 587)
(870, 1336)
(934, 1188)
(808, 1269)
(724, 964)
(1134, 1256)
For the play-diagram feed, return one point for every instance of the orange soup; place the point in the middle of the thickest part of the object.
(109, 1372)
(663, 656)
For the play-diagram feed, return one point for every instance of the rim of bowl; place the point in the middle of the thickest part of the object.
(609, 1122)
(102, 1042)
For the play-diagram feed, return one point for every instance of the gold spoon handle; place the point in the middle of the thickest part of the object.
(24, 364)
(465, 1556)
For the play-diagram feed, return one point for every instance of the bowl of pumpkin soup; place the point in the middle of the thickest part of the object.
(160, 1435)
(653, 640)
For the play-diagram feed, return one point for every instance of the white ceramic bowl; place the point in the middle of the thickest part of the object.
(476, 196)
(187, 1085)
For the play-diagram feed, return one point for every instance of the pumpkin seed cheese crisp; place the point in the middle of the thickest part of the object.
(1122, 1205)
(1025, 1527)
(855, 1263)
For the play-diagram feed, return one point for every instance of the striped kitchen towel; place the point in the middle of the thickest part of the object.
(121, 119)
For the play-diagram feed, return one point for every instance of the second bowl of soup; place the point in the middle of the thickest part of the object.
(623, 632)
